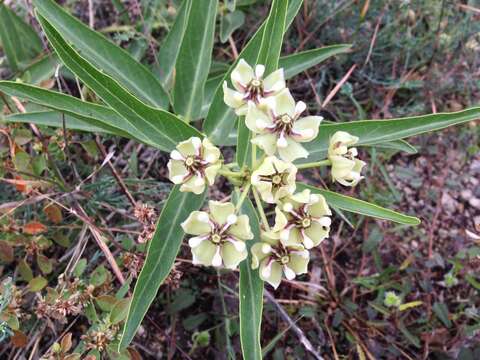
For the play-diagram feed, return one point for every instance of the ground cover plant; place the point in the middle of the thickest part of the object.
(259, 185)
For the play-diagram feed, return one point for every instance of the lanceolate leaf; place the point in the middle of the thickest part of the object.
(268, 55)
(357, 206)
(296, 63)
(380, 131)
(251, 295)
(193, 62)
(96, 115)
(221, 119)
(161, 254)
(272, 38)
(20, 43)
(168, 53)
(159, 126)
(55, 119)
(105, 55)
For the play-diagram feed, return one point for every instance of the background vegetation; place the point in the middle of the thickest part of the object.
(59, 289)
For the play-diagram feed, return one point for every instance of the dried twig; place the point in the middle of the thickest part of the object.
(301, 336)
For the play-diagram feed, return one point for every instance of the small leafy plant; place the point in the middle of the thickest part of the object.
(270, 222)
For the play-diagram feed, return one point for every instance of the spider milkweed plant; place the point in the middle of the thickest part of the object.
(249, 108)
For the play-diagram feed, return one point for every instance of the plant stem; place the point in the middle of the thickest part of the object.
(263, 217)
(244, 195)
(254, 156)
(325, 162)
(228, 173)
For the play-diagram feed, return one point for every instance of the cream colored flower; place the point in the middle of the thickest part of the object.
(250, 86)
(275, 259)
(280, 127)
(194, 164)
(346, 168)
(219, 235)
(274, 179)
(304, 219)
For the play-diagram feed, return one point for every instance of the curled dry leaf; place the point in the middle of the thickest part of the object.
(34, 228)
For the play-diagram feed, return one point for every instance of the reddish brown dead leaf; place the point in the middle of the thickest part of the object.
(53, 213)
(18, 339)
(34, 228)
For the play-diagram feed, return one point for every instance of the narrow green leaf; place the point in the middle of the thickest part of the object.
(97, 115)
(220, 119)
(357, 206)
(229, 23)
(9, 38)
(159, 126)
(400, 145)
(54, 119)
(268, 55)
(41, 70)
(250, 295)
(194, 59)
(272, 37)
(168, 53)
(105, 55)
(441, 310)
(296, 63)
(380, 131)
(161, 254)
(20, 42)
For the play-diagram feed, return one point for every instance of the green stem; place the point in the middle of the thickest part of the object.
(229, 173)
(325, 162)
(243, 196)
(263, 217)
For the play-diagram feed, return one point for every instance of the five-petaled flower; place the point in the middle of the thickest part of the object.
(251, 86)
(274, 179)
(193, 164)
(274, 259)
(280, 128)
(346, 168)
(219, 236)
(303, 218)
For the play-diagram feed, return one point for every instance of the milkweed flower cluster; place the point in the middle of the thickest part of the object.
(278, 128)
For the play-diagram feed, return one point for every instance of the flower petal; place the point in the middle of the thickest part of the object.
(197, 223)
(176, 171)
(271, 272)
(299, 261)
(196, 185)
(256, 119)
(280, 220)
(241, 229)
(189, 147)
(292, 151)
(232, 98)
(317, 233)
(231, 257)
(211, 172)
(266, 142)
(284, 103)
(242, 74)
(220, 211)
(275, 81)
(307, 127)
(204, 253)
